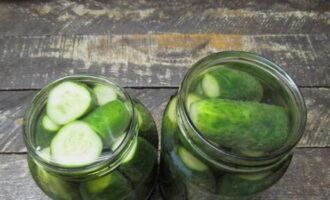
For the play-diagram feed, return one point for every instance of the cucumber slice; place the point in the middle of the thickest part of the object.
(191, 98)
(49, 124)
(43, 137)
(131, 153)
(45, 153)
(104, 94)
(68, 101)
(191, 171)
(147, 125)
(54, 186)
(172, 110)
(241, 126)
(139, 162)
(191, 161)
(170, 126)
(111, 186)
(75, 145)
(223, 82)
(255, 176)
(242, 185)
(109, 120)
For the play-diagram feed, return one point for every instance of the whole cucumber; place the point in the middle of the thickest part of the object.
(227, 83)
(241, 126)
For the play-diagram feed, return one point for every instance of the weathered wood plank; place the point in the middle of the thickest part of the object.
(152, 60)
(309, 166)
(141, 17)
(13, 103)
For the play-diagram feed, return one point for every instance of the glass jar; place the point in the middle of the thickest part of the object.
(230, 130)
(125, 165)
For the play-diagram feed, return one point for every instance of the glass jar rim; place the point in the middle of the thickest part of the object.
(260, 62)
(112, 159)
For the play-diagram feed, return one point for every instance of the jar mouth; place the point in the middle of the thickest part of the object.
(214, 152)
(109, 159)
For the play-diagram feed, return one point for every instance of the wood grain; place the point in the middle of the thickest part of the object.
(152, 60)
(166, 16)
(13, 104)
(308, 178)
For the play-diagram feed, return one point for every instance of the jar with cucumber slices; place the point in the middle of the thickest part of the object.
(88, 139)
(231, 129)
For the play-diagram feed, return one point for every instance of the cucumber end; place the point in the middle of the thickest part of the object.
(210, 86)
(104, 94)
(49, 124)
(191, 161)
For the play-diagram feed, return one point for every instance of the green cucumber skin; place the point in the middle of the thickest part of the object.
(236, 85)
(171, 186)
(202, 179)
(147, 125)
(245, 126)
(140, 167)
(43, 136)
(169, 129)
(235, 185)
(109, 120)
(118, 189)
(53, 186)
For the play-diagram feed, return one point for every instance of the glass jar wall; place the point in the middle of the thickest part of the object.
(230, 130)
(88, 139)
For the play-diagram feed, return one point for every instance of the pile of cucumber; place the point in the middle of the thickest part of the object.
(80, 121)
(227, 107)
(78, 124)
(230, 113)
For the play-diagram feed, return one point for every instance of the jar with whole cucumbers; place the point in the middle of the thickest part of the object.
(88, 139)
(230, 130)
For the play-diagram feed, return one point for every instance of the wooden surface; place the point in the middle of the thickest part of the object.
(147, 46)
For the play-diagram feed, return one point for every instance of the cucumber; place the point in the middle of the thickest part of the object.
(104, 94)
(147, 125)
(109, 120)
(191, 161)
(49, 124)
(242, 185)
(172, 110)
(191, 98)
(170, 126)
(172, 186)
(223, 82)
(113, 186)
(191, 170)
(43, 136)
(52, 185)
(76, 144)
(68, 101)
(139, 162)
(241, 126)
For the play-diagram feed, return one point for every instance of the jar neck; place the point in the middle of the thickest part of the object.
(225, 159)
(104, 163)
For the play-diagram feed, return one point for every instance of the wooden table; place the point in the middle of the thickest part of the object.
(147, 46)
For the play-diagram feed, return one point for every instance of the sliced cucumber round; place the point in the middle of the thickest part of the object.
(191, 161)
(172, 110)
(104, 94)
(75, 145)
(191, 98)
(68, 101)
(49, 124)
